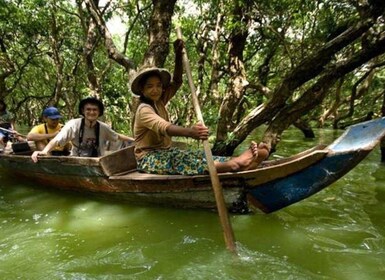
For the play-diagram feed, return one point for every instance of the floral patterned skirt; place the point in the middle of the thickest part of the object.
(175, 161)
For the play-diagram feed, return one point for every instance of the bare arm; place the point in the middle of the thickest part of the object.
(51, 144)
(14, 129)
(197, 131)
(176, 82)
(125, 138)
(40, 137)
(12, 125)
(178, 67)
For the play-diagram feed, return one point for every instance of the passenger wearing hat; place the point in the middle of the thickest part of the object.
(87, 134)
(153, 132)
(41, 134)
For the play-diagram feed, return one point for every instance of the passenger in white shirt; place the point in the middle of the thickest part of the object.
(88, 136)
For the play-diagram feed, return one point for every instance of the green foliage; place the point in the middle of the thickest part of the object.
(281, 34)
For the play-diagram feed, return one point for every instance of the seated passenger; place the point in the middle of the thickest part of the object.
(7, 125)
(41, 134)
(88, 136)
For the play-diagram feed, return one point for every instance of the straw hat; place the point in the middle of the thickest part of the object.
(145, 71)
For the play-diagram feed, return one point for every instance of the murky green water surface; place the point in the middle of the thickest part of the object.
(336, 234)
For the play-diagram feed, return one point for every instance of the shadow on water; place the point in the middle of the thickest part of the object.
(335, 234)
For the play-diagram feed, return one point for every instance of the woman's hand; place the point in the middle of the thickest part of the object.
(178, 46)
(199, 132)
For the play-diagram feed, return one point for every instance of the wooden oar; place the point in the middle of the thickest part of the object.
(13, 132)
(221, 206)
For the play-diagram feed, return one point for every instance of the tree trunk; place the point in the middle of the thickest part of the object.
(57, 59)
(112, 51)
(332, 111)
(358, 90)
(316, 93)
(237, 81)
(7, 69)
(159, 32)
(213, 92)
(278, 110)
(88, 53)
(305, 128)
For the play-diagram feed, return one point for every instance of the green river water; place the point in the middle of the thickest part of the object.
(338, 233)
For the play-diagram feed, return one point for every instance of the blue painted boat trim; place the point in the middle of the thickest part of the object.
(345, 153)
(360, 136)
(286, 191)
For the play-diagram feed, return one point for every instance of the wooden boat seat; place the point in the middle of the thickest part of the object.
(119, 161)
(124, 161)
(267, 171)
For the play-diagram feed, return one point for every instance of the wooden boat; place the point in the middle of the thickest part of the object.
(274, 185)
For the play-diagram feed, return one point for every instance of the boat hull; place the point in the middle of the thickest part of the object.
(274, 185)
(280, 193)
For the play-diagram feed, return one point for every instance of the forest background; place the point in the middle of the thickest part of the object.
(267, 63)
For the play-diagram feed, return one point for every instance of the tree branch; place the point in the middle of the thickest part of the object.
(112, 51)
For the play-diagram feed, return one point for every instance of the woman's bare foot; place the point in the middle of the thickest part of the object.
(246, 159)
(249, 159)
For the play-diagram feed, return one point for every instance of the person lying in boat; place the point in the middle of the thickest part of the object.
(88, 136)
(41, 134)
(153, 132)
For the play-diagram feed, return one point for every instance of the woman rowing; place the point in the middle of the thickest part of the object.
(153, 132)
